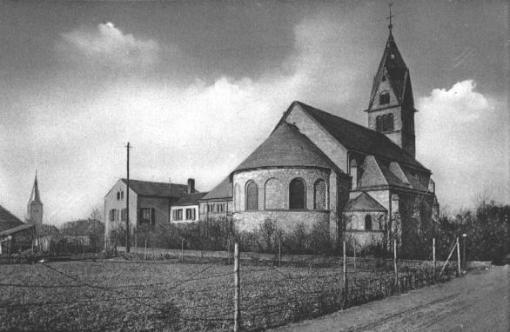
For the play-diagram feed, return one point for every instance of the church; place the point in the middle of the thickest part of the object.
(363, 182)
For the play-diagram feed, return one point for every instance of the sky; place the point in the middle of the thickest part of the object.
(195, 86)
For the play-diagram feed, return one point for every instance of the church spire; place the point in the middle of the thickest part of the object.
(34, 196)
(391, 104)
(35, 206)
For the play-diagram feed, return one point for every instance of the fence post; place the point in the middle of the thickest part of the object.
(434, 256)
(354, 251)
(395, 261)
(182, 250)
(279, 250)
(344, 266)
(237, 289)
(458, 257)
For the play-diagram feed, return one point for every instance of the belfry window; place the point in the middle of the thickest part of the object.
(297, 195)
(384, 98)
(378, 123)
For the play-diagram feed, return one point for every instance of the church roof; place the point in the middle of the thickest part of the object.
(361, 139)
(190, 199)
(157, 189)
(222, 190)
(364, 202)
(8, 220)
(393, 67)
(286, 146)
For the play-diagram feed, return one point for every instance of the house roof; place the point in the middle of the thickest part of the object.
(364, 202)
(286, 146)
(157, 189)
(222, 190)
(8, 220)
(190, 199)
(361, 139)
(16, 229)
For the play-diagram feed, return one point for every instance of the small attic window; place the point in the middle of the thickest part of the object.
(383, 78)
(384, 98)
(392, 56)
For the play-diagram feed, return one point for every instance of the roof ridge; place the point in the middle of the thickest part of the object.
(373, 133)
(154, 182)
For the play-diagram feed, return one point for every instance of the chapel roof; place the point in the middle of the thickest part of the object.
(221, 191)
(157, 189)
(286, 147)
(8, 220)
(360, 139)
(364, 202)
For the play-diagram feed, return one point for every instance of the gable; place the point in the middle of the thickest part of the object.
(371, 174)
(326, 142)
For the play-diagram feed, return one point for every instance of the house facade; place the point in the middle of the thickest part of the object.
(186, 209)
(150, 204)
(217, 204)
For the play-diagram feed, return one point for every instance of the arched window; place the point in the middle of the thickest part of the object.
(319, 195)
(297, 194)
(237, 197)
(252, 196)
(273, 194)
(368, 222)
(384, 98)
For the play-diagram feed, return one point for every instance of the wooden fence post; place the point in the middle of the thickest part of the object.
(458, 257)
(182, 250)
(395, 261)
(344, 266)
(354, 251)
(279, 250)
(434, 257)
(237, 289)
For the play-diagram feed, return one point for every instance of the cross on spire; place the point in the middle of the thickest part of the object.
(390, 26)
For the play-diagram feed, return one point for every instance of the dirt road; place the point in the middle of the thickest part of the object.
(479, 301)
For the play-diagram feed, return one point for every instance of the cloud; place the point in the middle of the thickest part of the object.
(460, 138)
(107, 44)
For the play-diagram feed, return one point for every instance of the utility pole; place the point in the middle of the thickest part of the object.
(128, 146)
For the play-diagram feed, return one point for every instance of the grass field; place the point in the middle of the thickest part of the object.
(167, 295)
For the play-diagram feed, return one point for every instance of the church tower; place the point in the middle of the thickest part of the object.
(391, 106)
(35, 206)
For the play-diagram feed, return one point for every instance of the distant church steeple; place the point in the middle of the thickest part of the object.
(391, 106)
(35, 206)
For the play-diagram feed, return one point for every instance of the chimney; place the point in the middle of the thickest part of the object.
(191, 186)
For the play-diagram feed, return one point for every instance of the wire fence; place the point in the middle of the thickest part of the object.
(139, 295)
